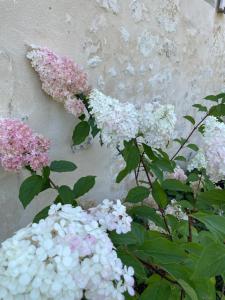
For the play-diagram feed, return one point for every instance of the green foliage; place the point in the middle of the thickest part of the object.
(137, 194)
(173, 257)
(62, 166)
(83, 186)
(41, 215)
(190, 119)
(66, 195)
(81, 132)
(131, 156)
(30, 188)
(159, 195)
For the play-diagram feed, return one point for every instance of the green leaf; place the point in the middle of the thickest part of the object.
(214, 223)
(66, 194)
(193, 147)
(190, 119)
(30, 188)
(134, 237)
(211, 261)
(81, 132)
(164, 165)
(192, 177)
(137, 194)
(175, 185)
(147, 212)
(201, 128)
(200, 107)
(181, 158)
(83, 186)
(130, 260)
(161, 251)
(212, 98)
(217, 110)
(159, 195)
(133, 158)
(214, 197)
(62, 166)
(181, 141)
(122, 174)
(158, 289)
(94, 128)
(149, 152)
(43, 214)
(188, 289)
(46, 172)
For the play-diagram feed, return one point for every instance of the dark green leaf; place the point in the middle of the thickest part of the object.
(137, 194)
(161, 251)
(41, 215)
(193, 147)
(148, 213)
(149, 152)
(200, 107)
(66, 194)
(214, 223)
(133, 158)
(212, 98)
(188, 289)
(158, 289)
(30, 188)
(134, 237)
(217, 110)
(159, 195)
(62, 166)
(46, 172)
(181, 158)
(81, 132)
(129, 259)
(122, 174)
(190, 119)
(193, 177)
(175, 185)
(211, 261)
(214, 197)
(83, 185)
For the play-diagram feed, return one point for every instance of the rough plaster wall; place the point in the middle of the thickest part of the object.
(136, 50)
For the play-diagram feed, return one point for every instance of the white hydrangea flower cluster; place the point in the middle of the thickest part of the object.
(67, 256)
(112, 216)
(212, 155)
(118, 121)
(123, 121)
(198, 161)
(157, 123)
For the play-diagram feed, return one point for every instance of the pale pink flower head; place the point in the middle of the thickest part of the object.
(178, 174)
(20, 147)
(74, 106)
(60, 76)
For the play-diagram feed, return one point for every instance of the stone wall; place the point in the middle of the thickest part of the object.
(136, 50)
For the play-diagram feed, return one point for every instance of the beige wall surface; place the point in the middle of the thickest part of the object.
(136, 50)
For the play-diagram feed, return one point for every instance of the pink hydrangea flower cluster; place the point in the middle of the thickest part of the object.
(61, 78)
(20, 147)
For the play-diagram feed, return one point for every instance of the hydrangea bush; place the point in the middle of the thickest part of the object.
(163, 241)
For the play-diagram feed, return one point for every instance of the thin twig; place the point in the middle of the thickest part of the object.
(190, 134)
(53, 184)
(189, 229)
